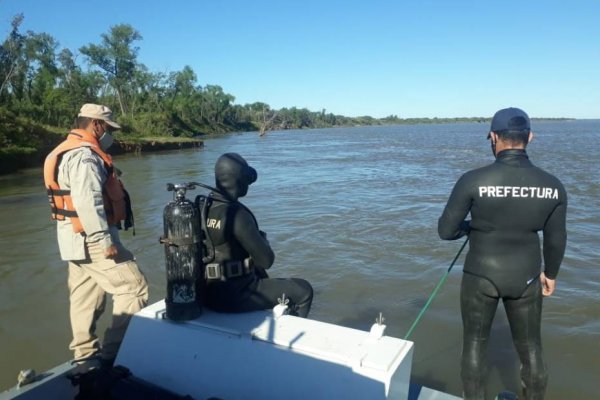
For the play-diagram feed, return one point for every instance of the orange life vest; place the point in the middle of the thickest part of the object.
(61, 203)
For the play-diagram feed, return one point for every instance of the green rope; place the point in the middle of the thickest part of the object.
(439, 285)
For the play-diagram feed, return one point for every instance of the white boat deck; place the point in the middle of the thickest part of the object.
(254, 356)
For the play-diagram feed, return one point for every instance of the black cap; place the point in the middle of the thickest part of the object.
(510, 119)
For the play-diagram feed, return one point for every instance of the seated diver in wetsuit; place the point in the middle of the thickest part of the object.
(236, 280)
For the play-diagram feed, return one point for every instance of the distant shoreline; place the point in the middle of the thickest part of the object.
(34, 156)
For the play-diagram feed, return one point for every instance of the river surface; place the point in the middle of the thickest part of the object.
(354, 211)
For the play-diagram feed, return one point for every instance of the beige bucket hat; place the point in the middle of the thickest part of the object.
(96, 111)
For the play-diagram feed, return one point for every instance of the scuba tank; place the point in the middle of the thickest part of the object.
(183, 255)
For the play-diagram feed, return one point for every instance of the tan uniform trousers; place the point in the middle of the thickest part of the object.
(89, 281)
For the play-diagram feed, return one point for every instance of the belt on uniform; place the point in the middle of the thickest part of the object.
(228, 270)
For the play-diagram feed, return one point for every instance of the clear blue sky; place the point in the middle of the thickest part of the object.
(425, 58)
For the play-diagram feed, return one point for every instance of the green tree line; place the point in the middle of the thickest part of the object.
(43, 85)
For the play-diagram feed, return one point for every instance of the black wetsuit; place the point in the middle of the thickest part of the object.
(236, 237)
(510, 201)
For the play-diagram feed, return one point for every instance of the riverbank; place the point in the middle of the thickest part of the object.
(151, 144)
(13, 159)
(25, 143)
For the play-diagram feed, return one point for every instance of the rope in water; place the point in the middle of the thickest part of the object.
(433, 294)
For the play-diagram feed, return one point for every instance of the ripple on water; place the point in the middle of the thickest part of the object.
(355, 212)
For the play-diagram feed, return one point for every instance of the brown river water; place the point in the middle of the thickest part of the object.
(354, 211)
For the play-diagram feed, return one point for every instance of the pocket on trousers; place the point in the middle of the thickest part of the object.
(124, 277)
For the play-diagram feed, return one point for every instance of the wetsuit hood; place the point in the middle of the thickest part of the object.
(233, 175)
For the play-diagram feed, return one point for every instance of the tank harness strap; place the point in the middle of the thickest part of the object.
(187, 241)
(229, 269)
(203, 203)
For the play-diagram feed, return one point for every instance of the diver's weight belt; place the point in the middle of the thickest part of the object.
(228, 270)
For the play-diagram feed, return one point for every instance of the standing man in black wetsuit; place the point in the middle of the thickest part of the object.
(236, 278)
(510, 201)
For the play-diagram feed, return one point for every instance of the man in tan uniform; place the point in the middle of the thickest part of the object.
(89, 202)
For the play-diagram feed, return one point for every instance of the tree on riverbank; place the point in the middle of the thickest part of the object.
(117, 58)
(42, 86)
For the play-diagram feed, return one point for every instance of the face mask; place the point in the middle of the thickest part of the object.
(105, 141)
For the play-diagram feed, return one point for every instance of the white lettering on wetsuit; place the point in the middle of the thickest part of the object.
(213, 223)
(531, 192)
